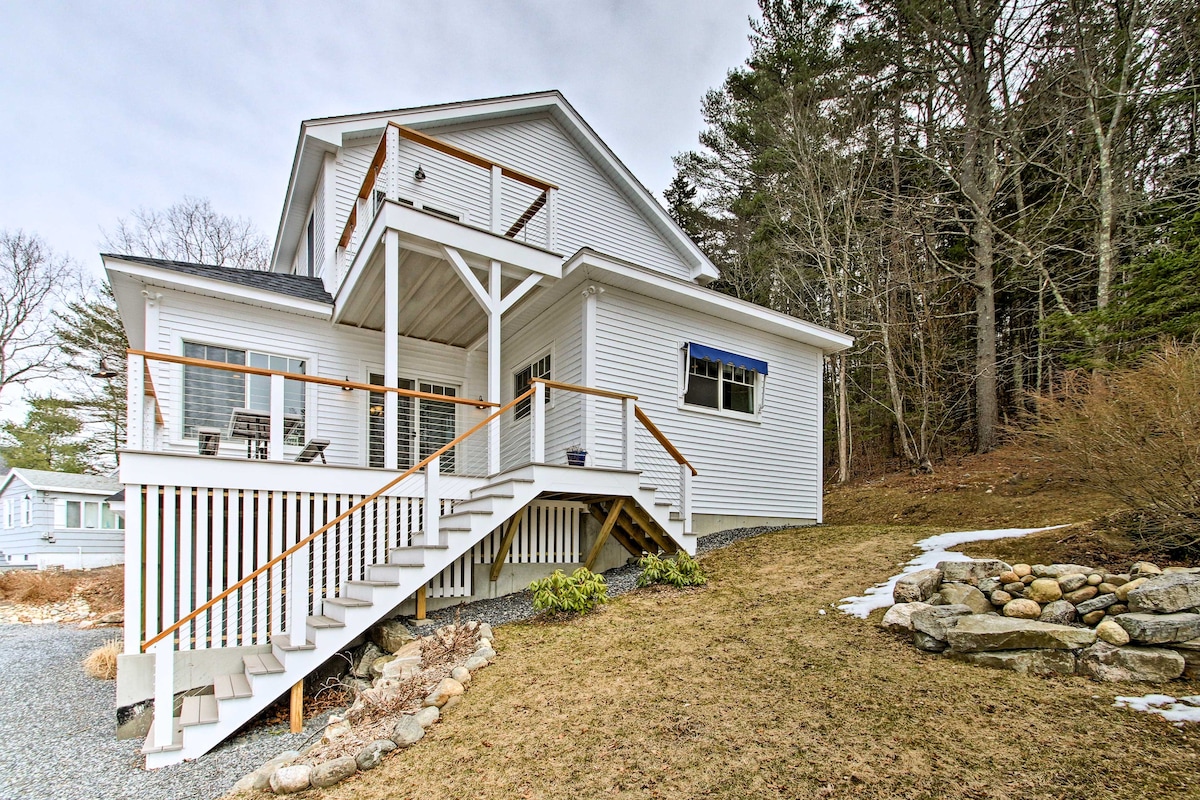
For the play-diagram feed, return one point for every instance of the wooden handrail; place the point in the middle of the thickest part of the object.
(295, 376)
(663, 440)
(571, 387)
(432, 143)
(335, 521)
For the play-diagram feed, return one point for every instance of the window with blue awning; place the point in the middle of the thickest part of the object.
(722, 380)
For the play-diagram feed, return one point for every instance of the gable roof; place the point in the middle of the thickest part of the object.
(298, 286)
(48, 481)
(325, 135)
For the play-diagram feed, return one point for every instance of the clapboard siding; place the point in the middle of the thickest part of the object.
(349, 170)
(332, 351)
(591, 211)
(769, 467)
(559, 331)
(21, 541)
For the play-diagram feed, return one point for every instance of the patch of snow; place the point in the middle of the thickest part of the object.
(1185, 709)
(934, 549)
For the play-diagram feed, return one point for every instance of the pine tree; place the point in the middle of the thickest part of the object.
(49, 438)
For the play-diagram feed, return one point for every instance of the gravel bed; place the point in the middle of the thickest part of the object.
(57, 725)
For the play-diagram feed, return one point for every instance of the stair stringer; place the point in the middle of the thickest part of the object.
(509, 493)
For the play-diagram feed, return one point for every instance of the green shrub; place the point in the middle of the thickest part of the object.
(678, 570)
(577, 593)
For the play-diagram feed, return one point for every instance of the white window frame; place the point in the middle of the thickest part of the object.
(525, 410)
(759, 388)
(8, 514)
(310, 368)
(455, 384)
(27, 511)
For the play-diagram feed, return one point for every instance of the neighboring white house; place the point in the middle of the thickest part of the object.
(483, 351)
(59, 519)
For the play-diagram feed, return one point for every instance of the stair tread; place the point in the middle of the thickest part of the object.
(230, 686)
(348, 602)
(372, 583)
(286, 646)
(262, 664)
(322, 621)
(199, 710)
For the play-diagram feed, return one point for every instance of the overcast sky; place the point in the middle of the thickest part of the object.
(108, 107)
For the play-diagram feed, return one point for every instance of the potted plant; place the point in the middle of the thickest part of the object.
(576, 456)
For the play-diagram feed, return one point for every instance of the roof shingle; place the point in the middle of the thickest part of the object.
(299, 286)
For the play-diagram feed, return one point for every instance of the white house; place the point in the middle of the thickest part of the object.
(58, 519)
(483, 351)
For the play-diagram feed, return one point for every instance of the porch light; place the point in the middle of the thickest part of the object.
(419, 174)
(347, 388)
(105, 372)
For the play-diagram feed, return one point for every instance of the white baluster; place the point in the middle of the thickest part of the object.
(538, 456)
(433, 501)
(297, 596)
(630, 417)
(164, 692)
(685, 496)
(276, 449)
(135, 399)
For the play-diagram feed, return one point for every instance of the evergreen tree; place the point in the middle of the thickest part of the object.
(49, 438)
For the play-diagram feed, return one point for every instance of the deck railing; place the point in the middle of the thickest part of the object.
(473, 190)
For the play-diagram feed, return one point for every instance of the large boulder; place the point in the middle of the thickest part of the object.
(929, 644)
(407, 731)
(1096, 604)
(1044, 590)
(1160, 628)
(291, 779)
(1076, 580)
(1123, 590)
(934, 621)
(390, 635)
(443, 692)
(979, 632)
(362, 667)
(972, 571)
(1022, 609)
(372, 755)
(915, 587)
(1165, 594)
(965, 595)
(1105, 662)
(1025, 662)
(427, 716)
(1058, 570)
(333, 772)
(1110, 631)
(1060, 612)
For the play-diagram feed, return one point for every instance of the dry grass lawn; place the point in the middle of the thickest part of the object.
(744, 689)
(102, 588)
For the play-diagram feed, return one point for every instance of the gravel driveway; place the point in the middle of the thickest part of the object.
(57, 725)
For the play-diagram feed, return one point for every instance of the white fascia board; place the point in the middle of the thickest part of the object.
(306, 170)
(214, 288)
(590, 264)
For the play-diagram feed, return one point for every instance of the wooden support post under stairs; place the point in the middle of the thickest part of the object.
(623, 532)
(420, 615)
(297, 709)
(506, 544)
(647, 524)
(605, 530)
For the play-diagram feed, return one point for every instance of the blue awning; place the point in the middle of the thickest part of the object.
(707, 353)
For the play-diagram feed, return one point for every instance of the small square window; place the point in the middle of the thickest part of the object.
(523, 379)
(722, 381)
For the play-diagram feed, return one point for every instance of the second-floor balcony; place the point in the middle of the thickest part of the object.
(446, 205)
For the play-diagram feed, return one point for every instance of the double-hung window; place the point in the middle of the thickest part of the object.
(523, 379)
(722, 380)
(210, 396)
(27, 510)
(88, 514)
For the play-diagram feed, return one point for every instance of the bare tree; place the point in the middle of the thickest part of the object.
(30, 278)
(191, 230)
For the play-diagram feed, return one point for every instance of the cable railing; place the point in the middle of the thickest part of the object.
(410, 168)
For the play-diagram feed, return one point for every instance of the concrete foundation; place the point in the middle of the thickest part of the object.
(703, 524)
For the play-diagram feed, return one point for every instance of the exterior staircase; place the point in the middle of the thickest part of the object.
(208, 719)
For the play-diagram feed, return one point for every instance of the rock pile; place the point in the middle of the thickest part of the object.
(404, 686)
(1143, 625)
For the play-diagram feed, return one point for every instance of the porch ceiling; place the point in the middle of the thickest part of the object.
(435, 305)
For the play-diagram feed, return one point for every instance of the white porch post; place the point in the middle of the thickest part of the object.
(164, 692)
(493, 355)
(298, 585)
(133, 569)
(497, 197)
(135, 402)
(551, 217)
(685, 497)
(391, 344)
(627, 408)
(276, 445)
(538, 455)
(433, 502)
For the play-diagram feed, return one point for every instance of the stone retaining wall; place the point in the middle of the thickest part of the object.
(1143, 625)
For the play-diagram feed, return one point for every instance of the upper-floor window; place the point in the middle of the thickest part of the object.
(310, 246)
(721, 380)
(210, 396)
